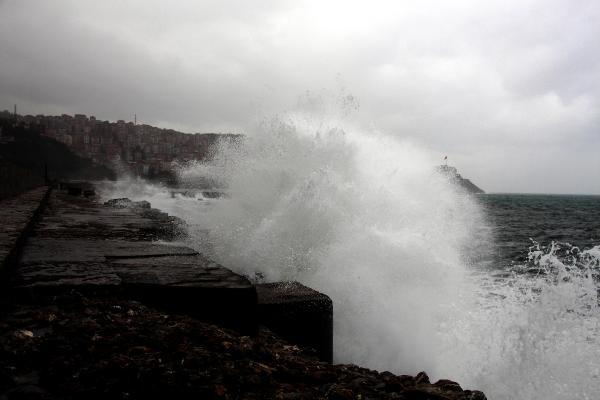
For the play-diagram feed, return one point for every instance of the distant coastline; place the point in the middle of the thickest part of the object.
(140, 149)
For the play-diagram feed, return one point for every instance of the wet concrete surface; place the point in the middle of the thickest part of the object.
(84, 245)
(17, 216)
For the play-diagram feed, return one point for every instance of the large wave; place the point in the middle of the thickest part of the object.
(364, 218)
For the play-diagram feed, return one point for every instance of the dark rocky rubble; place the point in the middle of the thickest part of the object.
(76, 347)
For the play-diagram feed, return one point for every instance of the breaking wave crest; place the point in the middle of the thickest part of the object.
(537, 326)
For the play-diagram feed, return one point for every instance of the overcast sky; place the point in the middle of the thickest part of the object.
(509, 90)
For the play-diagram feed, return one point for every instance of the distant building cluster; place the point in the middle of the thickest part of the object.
(143, 149)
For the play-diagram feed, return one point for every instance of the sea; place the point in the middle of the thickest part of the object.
(498, 292)
(570, 221)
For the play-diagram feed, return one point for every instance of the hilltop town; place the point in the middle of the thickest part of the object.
(142, 149)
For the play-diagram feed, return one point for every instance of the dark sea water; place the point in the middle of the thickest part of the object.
(517, 220)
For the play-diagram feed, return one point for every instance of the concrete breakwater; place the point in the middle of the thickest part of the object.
(18, 215)
(100, 256)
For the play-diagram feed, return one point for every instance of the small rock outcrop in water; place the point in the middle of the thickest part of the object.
(453, 176)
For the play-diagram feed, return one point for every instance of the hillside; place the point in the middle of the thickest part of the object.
(26, 156)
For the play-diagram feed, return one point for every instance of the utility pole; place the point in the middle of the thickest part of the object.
(135, 119)
(15, 113)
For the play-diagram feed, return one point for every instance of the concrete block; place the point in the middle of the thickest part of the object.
(299, 314)
(194, 285)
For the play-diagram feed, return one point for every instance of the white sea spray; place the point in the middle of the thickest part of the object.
(363, 218)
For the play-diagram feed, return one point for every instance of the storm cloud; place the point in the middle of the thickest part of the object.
(509, 90)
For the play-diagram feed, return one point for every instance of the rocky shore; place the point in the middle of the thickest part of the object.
(114, 348)
(88, 342)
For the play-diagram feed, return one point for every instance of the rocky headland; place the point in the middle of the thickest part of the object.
(451, 173)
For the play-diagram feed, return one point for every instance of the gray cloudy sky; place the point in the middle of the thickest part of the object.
(510, 90)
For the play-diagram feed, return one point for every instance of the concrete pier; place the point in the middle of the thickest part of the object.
(79, 244)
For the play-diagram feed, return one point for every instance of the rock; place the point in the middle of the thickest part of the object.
(23, 334)
(421, 378)
(448, 385)
(212, 194)
(32, 378)
(123, 202)
(127, 203)
(336, 392)
(25, 392)
(474, 395)
(141, 204)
